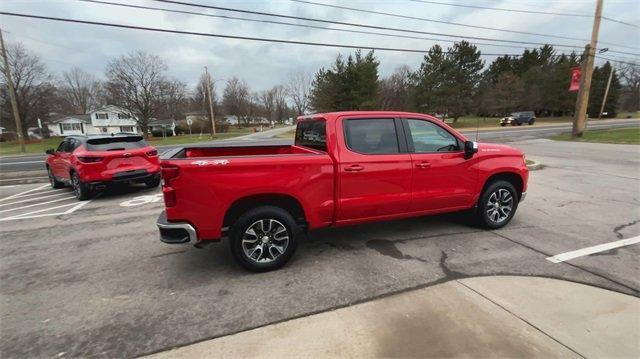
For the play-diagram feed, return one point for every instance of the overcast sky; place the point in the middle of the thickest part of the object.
(62, 45)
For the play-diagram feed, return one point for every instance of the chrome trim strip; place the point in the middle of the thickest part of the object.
(193, 237)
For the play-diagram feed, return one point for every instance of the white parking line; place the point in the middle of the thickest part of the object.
(25, 192)
(33, 215)
(591, 250)
(19, 163)
(34, 198)
(37, 204)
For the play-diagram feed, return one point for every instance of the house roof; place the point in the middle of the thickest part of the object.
(57, 118)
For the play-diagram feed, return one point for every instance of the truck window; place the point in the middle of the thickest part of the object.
(372, 136)
(116, 143)
(312, 134)
(428, 137)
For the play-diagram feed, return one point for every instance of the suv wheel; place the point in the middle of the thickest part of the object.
(497, 205)
(153, 182)
(53, 181)
(531, 122)
(80, 189)
(264, 238)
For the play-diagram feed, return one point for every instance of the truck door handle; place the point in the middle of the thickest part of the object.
(423, 164)
(354, 168)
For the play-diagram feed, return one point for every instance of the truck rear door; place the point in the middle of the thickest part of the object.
(374, 169)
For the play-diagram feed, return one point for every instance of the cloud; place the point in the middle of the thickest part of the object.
(262, 65)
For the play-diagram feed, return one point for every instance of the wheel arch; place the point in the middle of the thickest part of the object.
(512, 177)
(283, 201)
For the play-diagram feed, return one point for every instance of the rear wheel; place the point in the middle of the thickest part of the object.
(264, 238)
(80, 189)
(53, 181)
(153, 182)
(531, 122)
(497, 205)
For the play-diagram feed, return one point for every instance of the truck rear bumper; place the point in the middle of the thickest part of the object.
(175, 232)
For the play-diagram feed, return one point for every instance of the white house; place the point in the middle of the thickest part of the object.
(231, 119)
(106, 120)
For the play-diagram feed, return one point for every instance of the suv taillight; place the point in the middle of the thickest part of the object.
(89, 159)
(152, 153)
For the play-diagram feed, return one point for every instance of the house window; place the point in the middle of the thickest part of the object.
(71, 127)
(102, 116)
(123, 116)
(126, 128)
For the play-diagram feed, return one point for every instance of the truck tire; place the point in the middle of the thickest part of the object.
(55, 184)
(497, 205)
(264, 238)
(80, 189)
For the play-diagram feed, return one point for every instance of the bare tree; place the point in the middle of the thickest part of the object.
(235, 98)
(267, 98)
(81, 90)
(200, 95)
(137, 82)
(280, 100)
(630, 74)
(298, 89)
(394, 93)
(175, 96)
(34, 91)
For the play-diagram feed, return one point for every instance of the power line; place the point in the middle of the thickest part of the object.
(433, 20)
(505, 9)
(442, 21)
(261, 39)
(583, 15)
(618, 61)
(363, 25)
(298, 25)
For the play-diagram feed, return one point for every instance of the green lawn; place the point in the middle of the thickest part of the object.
(13, 148)
(623, 136)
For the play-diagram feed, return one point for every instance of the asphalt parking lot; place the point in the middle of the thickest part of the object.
(92, 279)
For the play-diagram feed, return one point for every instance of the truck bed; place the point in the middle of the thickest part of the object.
(236, 151)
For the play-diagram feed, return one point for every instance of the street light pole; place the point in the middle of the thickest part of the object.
(12, 94)
(579, 118)
(606, 93)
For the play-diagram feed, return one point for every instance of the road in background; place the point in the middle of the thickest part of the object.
(499, 135)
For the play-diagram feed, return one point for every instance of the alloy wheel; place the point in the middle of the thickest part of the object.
(265, 240)
(499, 205)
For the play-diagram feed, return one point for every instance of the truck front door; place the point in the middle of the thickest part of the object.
(374, 169)
(442, 177)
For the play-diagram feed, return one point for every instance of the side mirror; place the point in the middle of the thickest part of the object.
(50, 151)
(470, 147)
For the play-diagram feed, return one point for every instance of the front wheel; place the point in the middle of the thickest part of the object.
(80, 189)
(497, 205)
(531, 122)
(153, 182)
(264, 238)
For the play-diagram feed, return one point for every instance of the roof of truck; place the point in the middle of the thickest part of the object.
(334, 115)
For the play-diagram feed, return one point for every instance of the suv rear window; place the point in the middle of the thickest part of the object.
(120, 143)
(312, 134)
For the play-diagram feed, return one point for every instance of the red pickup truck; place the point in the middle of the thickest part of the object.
(344, 168)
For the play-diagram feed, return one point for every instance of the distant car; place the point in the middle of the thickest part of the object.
(90, 163)
(519, 118)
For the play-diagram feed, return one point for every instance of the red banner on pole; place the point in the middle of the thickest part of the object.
(575, 79)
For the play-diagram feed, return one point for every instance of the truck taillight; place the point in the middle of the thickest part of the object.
(89, 159)
(169, 172)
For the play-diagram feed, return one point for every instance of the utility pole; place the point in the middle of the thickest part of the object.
(213, 124)
(579, 119)
(12, 94)
(606, 93)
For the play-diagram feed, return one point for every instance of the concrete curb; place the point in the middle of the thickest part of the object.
(23, 177)
(535, 166)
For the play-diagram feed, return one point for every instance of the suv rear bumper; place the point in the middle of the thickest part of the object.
(175, 232)
(137, 176)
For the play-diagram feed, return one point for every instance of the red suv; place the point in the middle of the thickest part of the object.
(89, 163)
